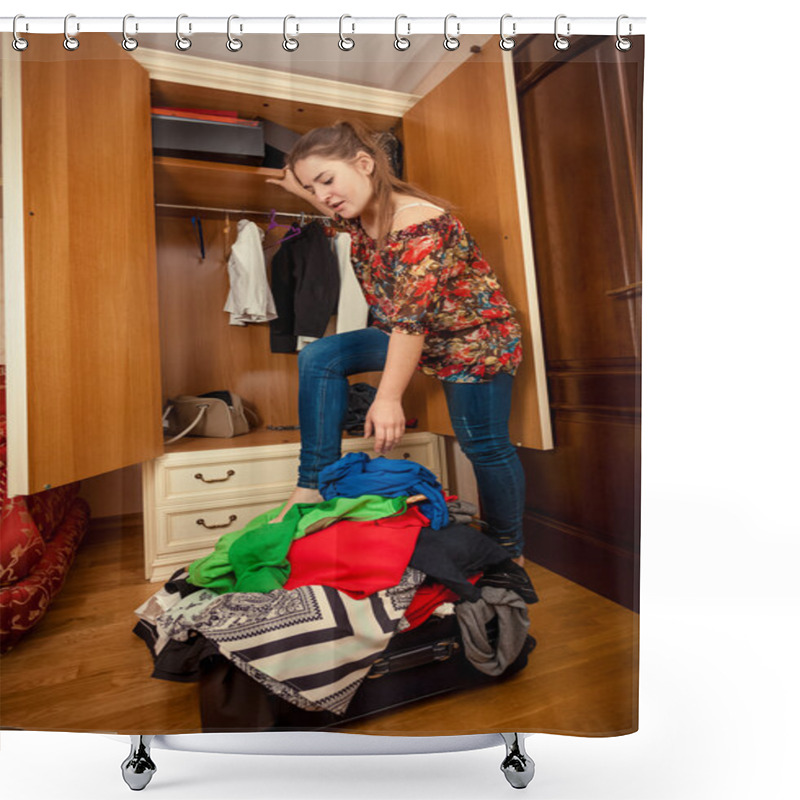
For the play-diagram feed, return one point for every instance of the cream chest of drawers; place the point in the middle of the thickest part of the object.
(198, 491)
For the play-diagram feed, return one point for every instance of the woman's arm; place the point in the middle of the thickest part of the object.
(290, 183)
(385, 416)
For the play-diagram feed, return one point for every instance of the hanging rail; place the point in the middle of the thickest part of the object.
(245, 211)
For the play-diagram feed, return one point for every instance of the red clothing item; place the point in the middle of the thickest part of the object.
(356, 557)
(427, 599)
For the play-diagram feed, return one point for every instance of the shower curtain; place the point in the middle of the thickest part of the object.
(126, 174)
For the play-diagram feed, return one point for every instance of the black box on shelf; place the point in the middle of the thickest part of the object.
(208, 140)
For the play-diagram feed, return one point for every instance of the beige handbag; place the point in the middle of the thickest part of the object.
(219, 414)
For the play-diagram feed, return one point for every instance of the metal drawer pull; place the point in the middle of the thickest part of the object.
(200, 477)
(227, 524)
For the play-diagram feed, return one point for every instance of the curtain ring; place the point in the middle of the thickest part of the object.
(19, 43)
(451, 42)
(70, 42)
(623, 45)
(127, 42)
(400, 42)
(290, 43)
(344, 42)
(506, 42)
(234, 45)
(560, 42)
(182, 43)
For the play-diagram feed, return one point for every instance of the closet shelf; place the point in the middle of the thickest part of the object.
(181, 181)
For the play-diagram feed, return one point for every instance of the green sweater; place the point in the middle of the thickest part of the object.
(253, 559)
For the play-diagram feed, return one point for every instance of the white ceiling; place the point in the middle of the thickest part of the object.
(374, 61)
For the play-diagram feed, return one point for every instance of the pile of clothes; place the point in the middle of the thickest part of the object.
(306, 605)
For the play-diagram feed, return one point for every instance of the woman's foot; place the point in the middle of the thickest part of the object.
(300, 495)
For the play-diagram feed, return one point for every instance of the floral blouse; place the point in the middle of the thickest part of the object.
(431, 278)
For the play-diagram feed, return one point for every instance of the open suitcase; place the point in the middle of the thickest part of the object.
(417, 664)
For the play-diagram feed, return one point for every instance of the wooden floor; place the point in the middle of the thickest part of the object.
(82, 669)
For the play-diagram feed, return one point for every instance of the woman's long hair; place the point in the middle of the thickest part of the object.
(344, 141)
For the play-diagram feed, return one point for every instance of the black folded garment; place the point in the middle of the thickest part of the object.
(452, 554)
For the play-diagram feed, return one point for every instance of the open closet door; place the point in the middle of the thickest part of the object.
(462, 144)
(83, 368)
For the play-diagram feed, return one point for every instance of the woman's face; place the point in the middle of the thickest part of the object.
(344, 186)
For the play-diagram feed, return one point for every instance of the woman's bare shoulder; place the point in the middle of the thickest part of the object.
(412, 210)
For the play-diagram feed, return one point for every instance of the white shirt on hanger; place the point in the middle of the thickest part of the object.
(250, 299)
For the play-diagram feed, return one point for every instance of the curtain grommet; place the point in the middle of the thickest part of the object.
(451, 42)
(560, 42)
(18, 43)
(400, 42)
(507, 42)
(622, 44)
(233, 44)
(181, 42)
(128, 42)
(345, 43)
(70, 42)
(290, 43)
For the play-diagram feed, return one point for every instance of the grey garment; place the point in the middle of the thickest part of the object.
(513, 623)
(461, 511)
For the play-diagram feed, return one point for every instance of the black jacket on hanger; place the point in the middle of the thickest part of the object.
(305, 285)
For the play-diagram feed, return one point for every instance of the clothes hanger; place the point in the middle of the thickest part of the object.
(294, 228)
(198, 226)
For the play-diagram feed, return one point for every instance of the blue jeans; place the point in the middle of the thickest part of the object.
(479, 414)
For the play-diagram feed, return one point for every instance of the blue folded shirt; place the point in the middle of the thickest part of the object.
(355, 474)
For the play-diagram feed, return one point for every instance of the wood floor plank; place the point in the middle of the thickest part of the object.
(82, 668)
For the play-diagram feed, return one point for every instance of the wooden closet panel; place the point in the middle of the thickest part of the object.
(580, 115)
(90, 286)
(460, 146)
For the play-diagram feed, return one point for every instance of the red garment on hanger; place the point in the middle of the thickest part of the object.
(356, 557)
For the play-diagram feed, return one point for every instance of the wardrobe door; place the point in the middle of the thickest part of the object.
(462, 144)
(83, 368)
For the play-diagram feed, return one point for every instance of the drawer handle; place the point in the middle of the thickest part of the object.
(227, 524)
(406, 455)
(200, 477)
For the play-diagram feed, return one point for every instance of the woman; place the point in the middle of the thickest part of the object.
(436, 305)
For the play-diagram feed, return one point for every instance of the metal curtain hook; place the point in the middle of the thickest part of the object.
(400, 42)
(290, 44)
(561, 43)
(182, 43)
(234, 45)
(506, 42)
(127, 42)
(451, 42)
(623, 44)
(344, 42)
(70, 42)
(19, 43)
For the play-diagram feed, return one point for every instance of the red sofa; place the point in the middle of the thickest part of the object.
(39, 535)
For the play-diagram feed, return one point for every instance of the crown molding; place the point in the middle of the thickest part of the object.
(246, 79)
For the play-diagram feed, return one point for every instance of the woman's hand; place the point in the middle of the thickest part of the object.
(290, 183)
(387, 421)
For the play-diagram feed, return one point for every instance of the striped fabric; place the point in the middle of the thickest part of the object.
(312, 646)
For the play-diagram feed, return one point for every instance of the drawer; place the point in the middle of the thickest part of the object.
(206, 524)
(183, 534)
(214, 476)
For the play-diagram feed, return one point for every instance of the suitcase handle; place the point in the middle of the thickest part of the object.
(440, 651)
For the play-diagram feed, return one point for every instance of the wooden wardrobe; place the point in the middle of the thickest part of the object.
(110, 308)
